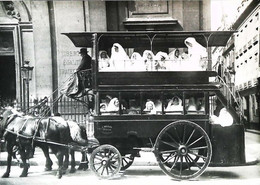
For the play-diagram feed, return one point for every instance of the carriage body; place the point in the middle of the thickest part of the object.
(131, 128)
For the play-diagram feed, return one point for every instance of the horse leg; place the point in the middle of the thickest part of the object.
(25, 164)
(66, 161)
(48, 162)
(84, 162)
(72, 162)
(9, 147)
(60, 157)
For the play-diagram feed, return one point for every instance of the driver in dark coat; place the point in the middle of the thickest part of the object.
(85, 61)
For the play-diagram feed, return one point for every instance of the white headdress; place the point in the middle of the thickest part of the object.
(118, 57)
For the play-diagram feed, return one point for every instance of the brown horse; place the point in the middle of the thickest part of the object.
(26, 132)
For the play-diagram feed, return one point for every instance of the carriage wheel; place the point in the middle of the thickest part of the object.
(127, 161)
(105, 161)
(183, 150)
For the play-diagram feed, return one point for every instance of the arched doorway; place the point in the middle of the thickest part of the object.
(7, 68)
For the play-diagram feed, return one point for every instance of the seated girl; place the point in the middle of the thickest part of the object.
(150, 107)
(162, 59)
(191, 105)
(103, 60)
(174, 106)
(148, 58)
(136, 63)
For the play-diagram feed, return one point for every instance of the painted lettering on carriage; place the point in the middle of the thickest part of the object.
(106, 129)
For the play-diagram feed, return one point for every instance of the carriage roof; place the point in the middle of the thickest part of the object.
(143, 38)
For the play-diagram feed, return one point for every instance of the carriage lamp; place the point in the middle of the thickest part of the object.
(26, 74)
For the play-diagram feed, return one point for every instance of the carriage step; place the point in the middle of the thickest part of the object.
(144, 149)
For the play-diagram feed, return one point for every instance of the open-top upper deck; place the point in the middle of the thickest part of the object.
(154, 41)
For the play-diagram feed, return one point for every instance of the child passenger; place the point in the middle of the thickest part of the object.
(103, 60)
(175, 104)
(136, 63)
(149, 57)
(118, 57)
(150, 107)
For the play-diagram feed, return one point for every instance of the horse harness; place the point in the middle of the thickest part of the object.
(34, 136)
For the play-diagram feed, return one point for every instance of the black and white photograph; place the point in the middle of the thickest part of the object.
(131, 92)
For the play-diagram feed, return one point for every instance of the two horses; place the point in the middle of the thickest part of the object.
(26, 132)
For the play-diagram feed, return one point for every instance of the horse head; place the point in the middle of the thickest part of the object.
(5, 113)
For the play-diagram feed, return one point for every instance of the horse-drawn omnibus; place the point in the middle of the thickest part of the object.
(148, 97)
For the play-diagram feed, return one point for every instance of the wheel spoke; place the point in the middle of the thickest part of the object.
(201, 156)
(195, 141)
(99, 167)
(167, 151)
(170, 144)
(181, 165)
(198, 148)
(169, 158)
(96, 163)
(177, 144)
(193, 161)
(190, 137)
(184, 133)
(111, 169)
(187, 162)
(103, 170)
(175, 129)
(114, 166)
(98, 158)
(107, 170)
(174, 162)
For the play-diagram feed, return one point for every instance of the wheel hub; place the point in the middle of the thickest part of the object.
(104, 161)
(182, 150)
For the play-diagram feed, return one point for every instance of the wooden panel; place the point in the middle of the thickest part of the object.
(154, 78)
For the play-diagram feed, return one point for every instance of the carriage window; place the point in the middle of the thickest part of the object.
(131, 103)
(109, 104)
(173, 103)
(195, 103)
(152, 103)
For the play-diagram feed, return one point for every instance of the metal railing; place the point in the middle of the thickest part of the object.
(231, 96)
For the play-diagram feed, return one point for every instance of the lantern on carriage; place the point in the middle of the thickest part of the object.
(26, 74)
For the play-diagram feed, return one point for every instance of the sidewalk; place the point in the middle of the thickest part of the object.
(253, 131)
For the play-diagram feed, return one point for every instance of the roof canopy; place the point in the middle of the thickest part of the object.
(135, 39)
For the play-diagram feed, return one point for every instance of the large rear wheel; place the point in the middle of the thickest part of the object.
(105, 161)
(183, 150)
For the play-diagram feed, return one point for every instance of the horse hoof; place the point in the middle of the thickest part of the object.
(73, 170)
(5, 175)
(47, 169)
(83, 167)
(59, 176)
(23, 175)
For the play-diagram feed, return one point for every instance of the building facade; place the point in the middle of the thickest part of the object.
(32, 31)
(247, 64)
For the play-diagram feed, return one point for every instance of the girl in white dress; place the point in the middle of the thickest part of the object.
(118, 57)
